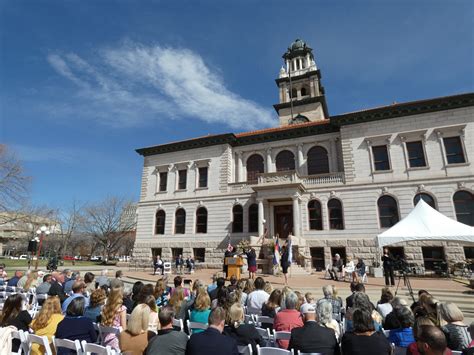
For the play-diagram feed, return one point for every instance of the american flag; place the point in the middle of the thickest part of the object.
(276, 253)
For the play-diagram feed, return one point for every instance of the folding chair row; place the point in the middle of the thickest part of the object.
(195, 325)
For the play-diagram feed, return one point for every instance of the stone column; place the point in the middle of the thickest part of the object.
(260, 217)
(296, 215)
(240, 167)
(269, 160)
(300, 159)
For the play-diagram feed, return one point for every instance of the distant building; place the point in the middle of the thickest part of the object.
(19, 228)
(334, 182)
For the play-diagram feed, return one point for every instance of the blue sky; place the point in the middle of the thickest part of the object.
(84, 83)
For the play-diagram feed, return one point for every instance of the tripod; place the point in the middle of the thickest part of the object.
(406, 282)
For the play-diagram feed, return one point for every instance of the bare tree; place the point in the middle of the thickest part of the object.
(109, 222)
(70, 222)
(14, 187)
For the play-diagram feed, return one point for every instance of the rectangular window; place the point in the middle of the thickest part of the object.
(202, 177)
(416, 154)
(199, 254)
(182, 176)
(433, 258)
(469, 253)
(381, 161)
(454, 151)
(317, 258)
(163, 181)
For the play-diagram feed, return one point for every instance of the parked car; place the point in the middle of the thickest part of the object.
(96, 258)
(23, 257)
(68, 257)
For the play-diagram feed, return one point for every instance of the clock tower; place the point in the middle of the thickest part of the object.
(299, 82)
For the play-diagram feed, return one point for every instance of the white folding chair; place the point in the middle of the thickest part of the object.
(272, 351)
(167, 267)
(300, 353)
(195, 325)
(327, 275)
(259, 320)
(178, 323)
(265, 334)
(90, 349)
(67, 344)
(40, 340)
(245, 349)
(103, 331)
(20, 335)
(280, 335)
(248, 318)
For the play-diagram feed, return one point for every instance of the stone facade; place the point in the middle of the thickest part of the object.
(351, 178)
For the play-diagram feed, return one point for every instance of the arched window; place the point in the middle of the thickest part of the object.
(254, 167)
(201, 220)
(303, 91)
(426, 197)
(180, 221)
(315, 215)
(160, 222)
(294, 94)
(388, 211)
(285, 160)
(318, 162)
(464, 206)
(336, 220)
(253, 218)
(237, 219)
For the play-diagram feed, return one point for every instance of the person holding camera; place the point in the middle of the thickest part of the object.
(388, 264)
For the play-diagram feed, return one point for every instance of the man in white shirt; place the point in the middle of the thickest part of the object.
(257, 298)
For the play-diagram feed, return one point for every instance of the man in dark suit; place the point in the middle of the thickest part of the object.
(56, 288)
(312, 337)
(211, 341)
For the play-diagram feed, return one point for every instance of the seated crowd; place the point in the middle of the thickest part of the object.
(223, 319)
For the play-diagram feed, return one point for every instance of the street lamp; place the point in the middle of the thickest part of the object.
(41, 232)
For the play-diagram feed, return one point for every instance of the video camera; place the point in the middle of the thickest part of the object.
(401, 265)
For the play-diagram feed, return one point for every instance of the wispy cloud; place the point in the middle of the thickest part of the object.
(132, 84)
(37, 154)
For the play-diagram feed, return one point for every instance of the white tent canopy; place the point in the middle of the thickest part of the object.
(425, 223)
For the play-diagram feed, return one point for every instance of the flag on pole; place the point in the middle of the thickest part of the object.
(229, 245)
(276, 253)
(290, 251)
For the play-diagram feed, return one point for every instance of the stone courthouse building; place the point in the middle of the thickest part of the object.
(334, 182)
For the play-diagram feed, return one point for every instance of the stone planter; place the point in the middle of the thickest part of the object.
(376, 271)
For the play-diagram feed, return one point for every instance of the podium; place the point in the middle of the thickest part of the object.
(233, 266)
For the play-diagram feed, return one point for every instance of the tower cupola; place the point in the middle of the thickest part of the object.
(299, 82)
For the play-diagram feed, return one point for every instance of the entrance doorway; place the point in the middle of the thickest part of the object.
(283, 216)
(317, 258)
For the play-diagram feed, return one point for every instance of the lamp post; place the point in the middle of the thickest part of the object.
(41, 232)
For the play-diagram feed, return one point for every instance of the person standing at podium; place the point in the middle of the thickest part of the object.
(230, 252)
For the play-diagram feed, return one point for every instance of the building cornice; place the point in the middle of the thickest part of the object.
(309, 100)
(405, 109)
(306, 75)
(195, 143)
(314, 128)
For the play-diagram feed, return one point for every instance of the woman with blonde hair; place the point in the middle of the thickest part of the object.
(178, 302)
(150, 301)
(201, 310)
(239, 291)
(46, 322)
(31, 281)
(249, 286)
(134, 339)
(161, 293)
(243, 333)
(457, 333)
(114, 314)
